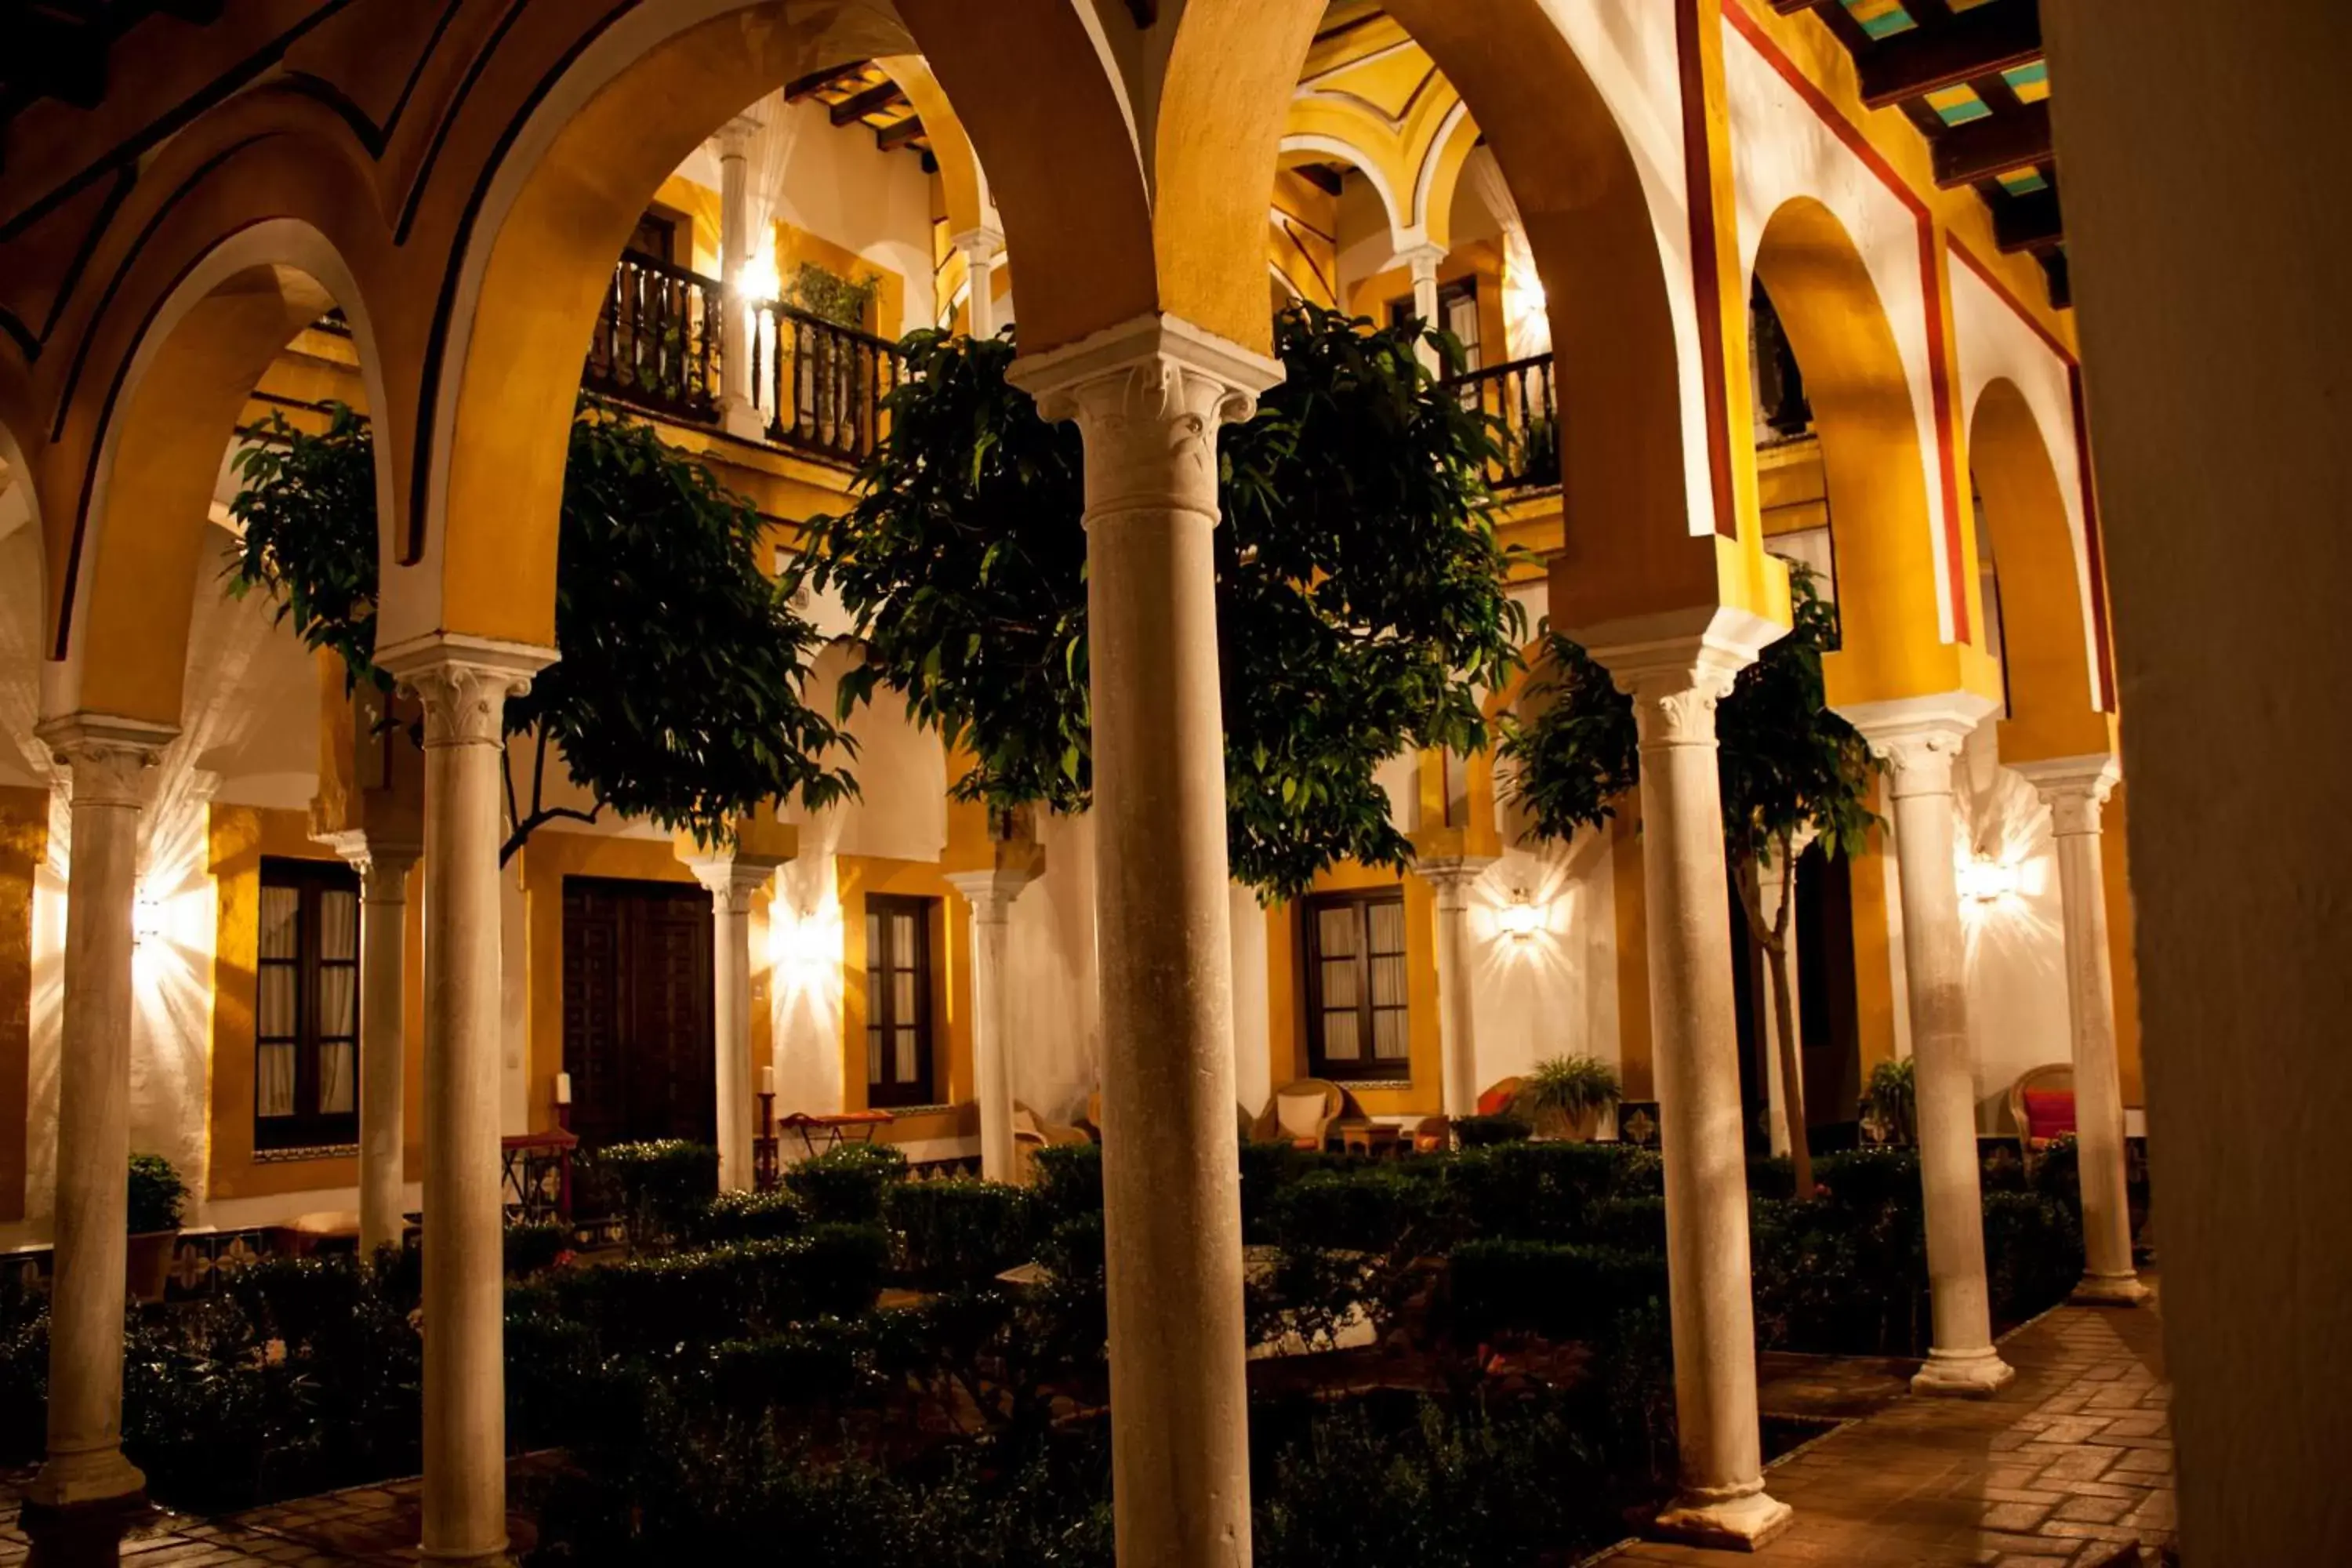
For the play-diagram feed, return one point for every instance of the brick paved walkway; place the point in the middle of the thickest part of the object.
(366, 1527)
(2070, 1467)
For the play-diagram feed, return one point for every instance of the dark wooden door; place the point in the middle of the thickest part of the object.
(638, 1038)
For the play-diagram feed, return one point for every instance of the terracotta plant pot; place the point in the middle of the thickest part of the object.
(150, 1265)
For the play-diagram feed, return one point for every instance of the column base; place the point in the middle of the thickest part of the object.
(1965, 1374)
(77, 1481)
(2109, 1290)
(1742, 1523)
(499, 1556)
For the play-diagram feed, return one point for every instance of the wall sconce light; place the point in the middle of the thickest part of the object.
(1987, 880)
(563, 1089)
(1520, 918)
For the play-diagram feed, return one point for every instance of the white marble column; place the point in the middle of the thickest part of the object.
(1422, 262)
(990, 895)
(2075, 788)
(738, 245)
(1695, 1041)
(463, 684)
(980, 247)
(109, 759)
(1920, 739)
(1453, 877)
(384, 871)
(1149, 396)
(733, 880)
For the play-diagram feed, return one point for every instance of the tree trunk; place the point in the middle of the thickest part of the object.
(1792, 1078)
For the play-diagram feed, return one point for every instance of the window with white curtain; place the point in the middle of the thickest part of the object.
(898, 1055)
(1359, 1017)
(305, 1016)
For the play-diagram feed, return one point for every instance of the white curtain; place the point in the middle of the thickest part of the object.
(1527, 330)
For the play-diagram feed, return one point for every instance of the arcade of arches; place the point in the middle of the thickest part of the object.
(1747, 282)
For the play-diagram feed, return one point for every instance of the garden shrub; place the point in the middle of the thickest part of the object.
(1067, 1182)
(24, 1372)
(961, 1232)
(1372, 1208)
(659, 1184)
(1539, 1191)
(1557, 1289)
(2034, 1255)
(822, 1363)
(845, 1186)
(1629, 1225)
(651, 1306)
(748, 1216)
(536, 1246)
(1479, 1131)
(158, 1196)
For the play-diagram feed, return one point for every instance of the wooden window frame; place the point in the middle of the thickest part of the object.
(1367, 1066)
(882, 1021)
(308, 1127)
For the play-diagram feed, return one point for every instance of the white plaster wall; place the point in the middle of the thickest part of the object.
(1553, 993)
(2017, 942)
(1994, 343)
(805, 958)
(1054, 1023)
(1782, 151)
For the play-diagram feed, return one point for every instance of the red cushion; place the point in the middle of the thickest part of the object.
(2048, 1112)
(1497, 1100)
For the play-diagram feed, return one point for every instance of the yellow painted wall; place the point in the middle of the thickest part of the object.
(240, 837)
(1286, 994)
(858, 875)
(24, 843)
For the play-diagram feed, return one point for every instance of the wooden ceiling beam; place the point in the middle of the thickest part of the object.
(815, 82)
(1966, 153)
(890, 138)
(2029, 223)
(873, 100)
(1989, 38)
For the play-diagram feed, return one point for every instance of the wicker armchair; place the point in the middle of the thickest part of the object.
(1306, 1127)
(1031, 1133)
(2041, 1103)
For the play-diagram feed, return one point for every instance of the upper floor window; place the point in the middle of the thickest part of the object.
(899, 1056)
(1357, 1014)
(1457, 312)
(305, 1034)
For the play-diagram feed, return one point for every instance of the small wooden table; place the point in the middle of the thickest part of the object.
(819, 1134)
(1364, 1137)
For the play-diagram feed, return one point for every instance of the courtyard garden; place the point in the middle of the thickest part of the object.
(1457, 1357)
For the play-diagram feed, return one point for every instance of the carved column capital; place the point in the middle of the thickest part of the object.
(1919, 738)
(980, 246)
(1148, 396)
(1451, 877)
(1422, 262)
(463, 683)
(110, 757)
(733, 880)
(383, 863)
(1677, 666)
(2074, 788)
(991, 893)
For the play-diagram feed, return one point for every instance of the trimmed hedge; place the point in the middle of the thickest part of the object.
(1559, 1290)
(960, 1233)
(845, 1186)
(653, 1305)
(658, 1185)
(749, 1216)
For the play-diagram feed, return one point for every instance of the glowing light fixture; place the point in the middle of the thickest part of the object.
(146, 920)
(759, 279)
(1520, 918)
(1987, 880)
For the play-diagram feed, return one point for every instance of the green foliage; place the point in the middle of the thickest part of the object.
(1571, 1085)
(649, 1306)
(1560, 1290)
(678, 697)
(845, 1186)
(660, 1184)
(1480, 1131)
(1787, 761)
(1360, 607)
(748, 1216)
(535, 1246)
(960, 1233)
(308, 504)
(1894, 1095)
(159, 1197)
(1066, 1180)
(829, 297)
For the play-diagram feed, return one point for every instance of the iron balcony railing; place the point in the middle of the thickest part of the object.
(817, 385)
(1519, 397)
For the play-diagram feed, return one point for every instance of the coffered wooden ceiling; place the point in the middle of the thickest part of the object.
(1970, 76)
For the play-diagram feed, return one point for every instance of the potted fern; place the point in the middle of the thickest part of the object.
(1891, 1103)
(158, 1200)
(1564, 1097)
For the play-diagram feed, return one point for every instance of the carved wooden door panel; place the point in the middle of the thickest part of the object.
(637, 1037)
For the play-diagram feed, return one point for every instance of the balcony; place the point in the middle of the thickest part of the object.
(818, 385)
(1519, 397)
